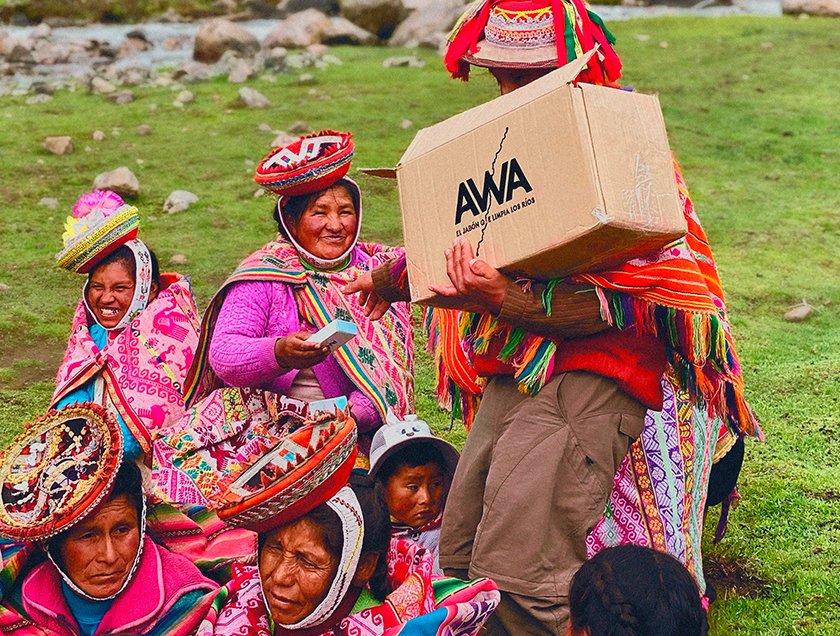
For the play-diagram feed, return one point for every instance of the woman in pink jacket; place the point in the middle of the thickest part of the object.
(254, 357)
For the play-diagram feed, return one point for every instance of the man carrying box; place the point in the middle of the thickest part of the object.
(577, 371)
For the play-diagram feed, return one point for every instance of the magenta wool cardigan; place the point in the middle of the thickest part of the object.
(253, 315)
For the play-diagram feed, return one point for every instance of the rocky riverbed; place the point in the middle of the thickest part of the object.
(39, 60)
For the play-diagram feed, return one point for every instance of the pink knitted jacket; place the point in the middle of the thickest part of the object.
(253, 315)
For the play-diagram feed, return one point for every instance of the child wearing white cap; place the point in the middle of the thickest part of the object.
(415, 469)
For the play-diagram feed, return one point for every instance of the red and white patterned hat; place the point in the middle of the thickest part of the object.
(312, 163)
(280, 484)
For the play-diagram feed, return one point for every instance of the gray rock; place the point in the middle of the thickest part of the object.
(178, 259)
(133, 75)
(283, 139)
(300, 128)
(275, 57)
(379, 17)
(4, 287)
(426, 24)
(62, 145)
(799, 312)
(404, 60)
(216, 36)
(132, 46)
(253, 98)
(185, 97)
(342, 31)
(144, 130)
(122, 181)
(101, 86)
(241, 72)
(49, 202)
(42, 31)
(194, 72)
(178, 201)
(298, 30)
(38, 98)
(824, 8)
(122, 97)
(20, 52)
(306, 79)
(98, 135)
(405, 124)
(263, 127)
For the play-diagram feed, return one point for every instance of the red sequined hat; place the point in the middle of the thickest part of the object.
(283, 483)
(312, 163)
(57, 471)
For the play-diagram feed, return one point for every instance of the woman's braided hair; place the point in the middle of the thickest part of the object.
(635, 591)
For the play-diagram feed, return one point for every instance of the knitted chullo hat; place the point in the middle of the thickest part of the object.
(531, 34)
(312, 163)
(101, 222)
(57, 471)
(274, 486)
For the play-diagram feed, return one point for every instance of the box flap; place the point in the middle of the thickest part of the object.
(382, 173)
(430, 138)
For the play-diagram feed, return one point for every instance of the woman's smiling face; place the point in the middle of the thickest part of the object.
(110, 292)
(327, 227)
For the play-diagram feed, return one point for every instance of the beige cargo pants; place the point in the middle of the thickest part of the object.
(533, 480)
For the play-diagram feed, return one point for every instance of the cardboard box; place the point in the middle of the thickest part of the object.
(549, 180)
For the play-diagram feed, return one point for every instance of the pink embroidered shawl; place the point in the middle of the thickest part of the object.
(379, 360)
(239, 608)
(144, 365)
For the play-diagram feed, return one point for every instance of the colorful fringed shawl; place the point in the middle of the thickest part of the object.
(418, 605)
(674, 294)
(12, 620)
(197, 533)
(659, 492)
(379, 360)
(144, 365)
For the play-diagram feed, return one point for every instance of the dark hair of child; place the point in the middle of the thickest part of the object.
(635, 591)
(412, 455)
(125, 257)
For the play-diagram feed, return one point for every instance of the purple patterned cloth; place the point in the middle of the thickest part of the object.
(253, 315)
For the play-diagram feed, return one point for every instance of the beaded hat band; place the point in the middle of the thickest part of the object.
(89, 239)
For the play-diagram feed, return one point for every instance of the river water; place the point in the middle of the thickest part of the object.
(172, 42)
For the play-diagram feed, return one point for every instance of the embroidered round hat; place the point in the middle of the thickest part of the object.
(396, 435)
(312, 163)
(521, 34)
(57, 471)
(305, 469)
(101, 222)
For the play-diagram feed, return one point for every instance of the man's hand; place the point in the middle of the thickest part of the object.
(474, 282)
(374, 306)
(294, 352)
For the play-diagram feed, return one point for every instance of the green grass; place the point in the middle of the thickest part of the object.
(752, 110)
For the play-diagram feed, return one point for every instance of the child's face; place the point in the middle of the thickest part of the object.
(415, 494)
